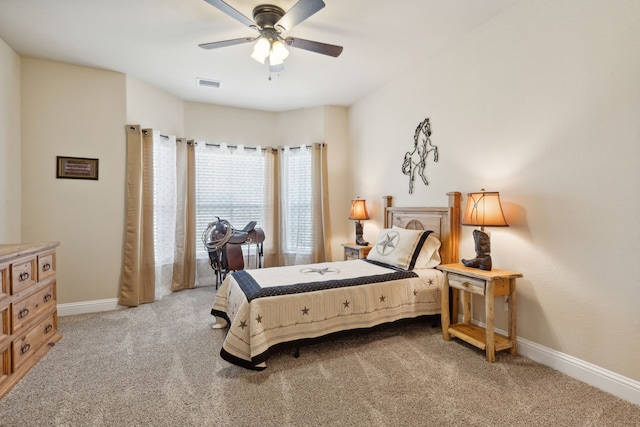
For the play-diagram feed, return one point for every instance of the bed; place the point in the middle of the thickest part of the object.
(265, 308)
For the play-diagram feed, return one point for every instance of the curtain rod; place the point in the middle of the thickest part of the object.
(231, 147)
(235, 147)
(146, 131)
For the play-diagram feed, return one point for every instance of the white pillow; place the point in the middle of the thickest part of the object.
(429, 256)
(398, 247)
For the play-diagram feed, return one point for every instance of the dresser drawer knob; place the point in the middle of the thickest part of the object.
(46, 267)
(23, 276)
(23, 313)
(48, 329)
(47, 297)
(24, 348)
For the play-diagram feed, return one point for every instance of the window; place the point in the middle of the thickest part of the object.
(297, 198)
(230, 184)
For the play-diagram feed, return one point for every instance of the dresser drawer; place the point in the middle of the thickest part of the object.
(351, 253)
(23, 347)
(46, 265)
(5, 361)
(475, 286)
(5, 330)
(4, 282)
(31, 306)
(23, 274)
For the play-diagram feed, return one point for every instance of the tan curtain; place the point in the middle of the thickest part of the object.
(138, 277)
(142, 280)
(321, 248)
(184, 264)
(274, 251)
(272, 254)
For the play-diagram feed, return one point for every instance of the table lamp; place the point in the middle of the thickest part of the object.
(359, 212)
(483, 209)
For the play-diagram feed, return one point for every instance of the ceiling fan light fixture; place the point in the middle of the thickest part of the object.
(278, 53)
(275, 68)
(261, 49)
(271, 21)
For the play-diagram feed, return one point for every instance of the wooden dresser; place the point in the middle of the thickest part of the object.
(28, 308)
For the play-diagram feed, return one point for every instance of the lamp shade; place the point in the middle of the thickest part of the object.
(484, 209)
(359, 210)
(261, 49)
(278, 53)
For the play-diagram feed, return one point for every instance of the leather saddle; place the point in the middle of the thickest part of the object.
(249, 234)
(228, 256)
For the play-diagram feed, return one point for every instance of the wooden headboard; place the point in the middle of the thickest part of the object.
(443, 221)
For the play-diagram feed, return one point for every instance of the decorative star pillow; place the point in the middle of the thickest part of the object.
(398, 247)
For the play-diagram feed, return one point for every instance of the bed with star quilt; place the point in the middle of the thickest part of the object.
(264, 308)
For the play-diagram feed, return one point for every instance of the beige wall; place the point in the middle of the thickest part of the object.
(336, 131)
(10, 182)
(153, 108)
(79, 112)
(542, 104)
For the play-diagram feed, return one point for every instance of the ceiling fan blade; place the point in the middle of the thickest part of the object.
(224, 43)
(317, 47)
(298, 13)
(224, 7)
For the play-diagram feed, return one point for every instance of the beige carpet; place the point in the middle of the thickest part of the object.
(158, 365)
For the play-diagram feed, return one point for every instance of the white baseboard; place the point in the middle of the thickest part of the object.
(83, 307)
(623, 387)
(618, 385)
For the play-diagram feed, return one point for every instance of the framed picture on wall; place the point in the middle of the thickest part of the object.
(76, 168)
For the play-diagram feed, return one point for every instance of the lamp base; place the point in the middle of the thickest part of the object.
(483, 248)
(483, 263)
(359, 239)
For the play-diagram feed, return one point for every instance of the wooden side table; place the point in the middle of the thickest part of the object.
(353, 251)
(489, 284)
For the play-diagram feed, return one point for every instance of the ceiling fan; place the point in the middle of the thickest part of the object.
(271, 21)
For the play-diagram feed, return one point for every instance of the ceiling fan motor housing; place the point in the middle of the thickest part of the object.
(267, 15)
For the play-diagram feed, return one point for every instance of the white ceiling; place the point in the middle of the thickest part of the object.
(157, 41)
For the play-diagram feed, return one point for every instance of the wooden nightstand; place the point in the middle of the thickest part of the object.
(489, 284)
(353, 251)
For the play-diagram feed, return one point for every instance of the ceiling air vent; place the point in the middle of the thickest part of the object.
(208, 83)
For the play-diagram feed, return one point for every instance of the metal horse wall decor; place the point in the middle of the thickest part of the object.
(415, 161)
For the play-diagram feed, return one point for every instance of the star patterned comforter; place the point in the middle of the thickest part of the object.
(270, 306)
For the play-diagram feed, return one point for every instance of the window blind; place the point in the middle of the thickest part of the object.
(229, 185)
